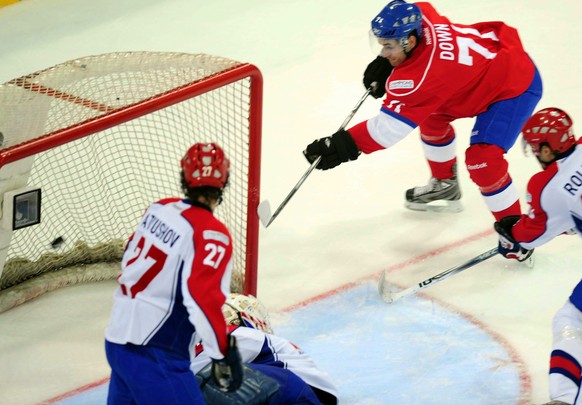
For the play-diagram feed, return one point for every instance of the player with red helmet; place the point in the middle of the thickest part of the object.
(553, 194)
(555, 198)
(431, 72)
(175, 277)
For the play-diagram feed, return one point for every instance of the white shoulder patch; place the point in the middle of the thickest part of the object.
(215, 235)
(401, 84)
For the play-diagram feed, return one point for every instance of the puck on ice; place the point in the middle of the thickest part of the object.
(55, 244)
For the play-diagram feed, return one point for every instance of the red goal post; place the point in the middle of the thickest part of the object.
(101, 137)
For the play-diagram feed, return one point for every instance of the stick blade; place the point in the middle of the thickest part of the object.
(264, 213)
(384, 290)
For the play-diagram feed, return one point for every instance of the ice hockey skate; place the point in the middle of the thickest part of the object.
(556, 403)
(437, 196)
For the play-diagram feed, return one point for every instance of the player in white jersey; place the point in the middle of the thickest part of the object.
(555, 197)
(248, 321)
(176, 272)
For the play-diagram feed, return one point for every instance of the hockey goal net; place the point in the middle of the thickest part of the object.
(101, 137)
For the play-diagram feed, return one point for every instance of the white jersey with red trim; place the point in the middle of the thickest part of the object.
(456, 70)
(176, 272)
(555, 198)
(258, 347)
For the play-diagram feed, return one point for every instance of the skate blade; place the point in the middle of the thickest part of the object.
(530, 262)
(436, 206)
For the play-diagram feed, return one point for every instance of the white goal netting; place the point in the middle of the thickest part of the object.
(102, 136)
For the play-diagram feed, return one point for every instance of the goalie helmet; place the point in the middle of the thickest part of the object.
(246, 310)
(397, 21)
(550, 126)
(205, 164)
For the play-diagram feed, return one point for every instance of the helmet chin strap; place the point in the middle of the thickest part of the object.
(405, 44)
(544, 164)
(557, 155)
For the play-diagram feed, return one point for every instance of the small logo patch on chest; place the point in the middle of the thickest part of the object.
(401, 84)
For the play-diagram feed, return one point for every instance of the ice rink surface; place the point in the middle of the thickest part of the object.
(480, 337)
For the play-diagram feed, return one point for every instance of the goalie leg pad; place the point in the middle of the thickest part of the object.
(292, 389)
(256, 388)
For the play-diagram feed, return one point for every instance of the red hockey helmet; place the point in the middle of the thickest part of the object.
(552, 126)
(205, 164)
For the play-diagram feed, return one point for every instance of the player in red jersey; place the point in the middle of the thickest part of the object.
(433, 71)
(176, 272)
(555, 198)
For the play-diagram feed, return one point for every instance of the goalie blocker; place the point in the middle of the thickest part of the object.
(256, 388)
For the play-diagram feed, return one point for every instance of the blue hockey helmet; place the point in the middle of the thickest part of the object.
(397, 21)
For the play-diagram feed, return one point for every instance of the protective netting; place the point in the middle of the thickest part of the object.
(95, 188)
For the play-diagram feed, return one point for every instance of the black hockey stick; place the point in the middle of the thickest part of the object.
(264, 208)
(390, 297)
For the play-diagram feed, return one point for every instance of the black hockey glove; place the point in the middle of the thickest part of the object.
(334, 150)
(377, 71)
(228, 372)
(508, 247)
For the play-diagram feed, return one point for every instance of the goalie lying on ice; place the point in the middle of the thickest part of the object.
(298, 376)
